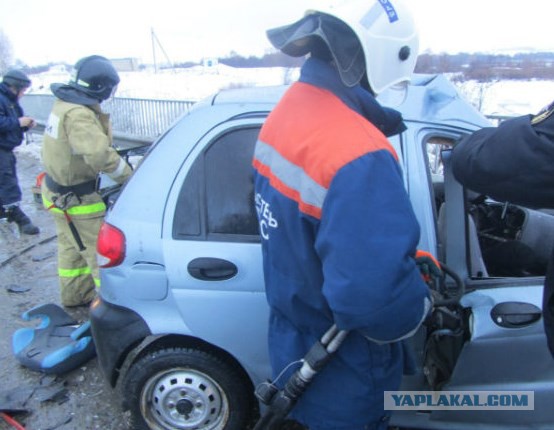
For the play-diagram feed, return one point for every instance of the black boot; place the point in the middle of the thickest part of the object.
(15, 214)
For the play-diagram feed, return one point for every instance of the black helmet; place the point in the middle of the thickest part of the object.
(95, 76)
(16, 79)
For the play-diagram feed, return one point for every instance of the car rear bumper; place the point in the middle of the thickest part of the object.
(115, 331)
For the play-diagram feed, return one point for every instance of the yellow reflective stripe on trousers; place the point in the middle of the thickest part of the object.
(77, 210)
(73, 273)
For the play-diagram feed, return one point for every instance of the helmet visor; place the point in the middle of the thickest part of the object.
(297, 39)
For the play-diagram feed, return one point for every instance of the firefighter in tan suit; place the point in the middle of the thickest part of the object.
(77, 147)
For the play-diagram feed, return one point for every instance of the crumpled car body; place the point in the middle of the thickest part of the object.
(180, 324)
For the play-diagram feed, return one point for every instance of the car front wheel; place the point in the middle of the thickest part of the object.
(178, 388)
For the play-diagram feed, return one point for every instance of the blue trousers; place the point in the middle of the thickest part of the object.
(10, 192)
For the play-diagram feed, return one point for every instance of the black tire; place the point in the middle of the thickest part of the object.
(178, 388)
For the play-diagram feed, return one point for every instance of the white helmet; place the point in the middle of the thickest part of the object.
(385, 29)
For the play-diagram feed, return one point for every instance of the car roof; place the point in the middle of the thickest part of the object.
(429, 98)
(433, 98)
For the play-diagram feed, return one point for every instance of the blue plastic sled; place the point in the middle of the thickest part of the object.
(59, 344)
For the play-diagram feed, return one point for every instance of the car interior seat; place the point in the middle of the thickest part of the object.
(477, 268)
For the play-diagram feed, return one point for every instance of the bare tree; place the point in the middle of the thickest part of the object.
(475, 91)
(6, 52)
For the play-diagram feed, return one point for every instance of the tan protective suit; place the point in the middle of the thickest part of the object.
(77, 147)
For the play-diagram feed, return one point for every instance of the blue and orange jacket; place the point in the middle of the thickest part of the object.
(338, 240)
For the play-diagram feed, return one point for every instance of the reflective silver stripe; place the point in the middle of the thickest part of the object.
(291, 175)
(427, 305)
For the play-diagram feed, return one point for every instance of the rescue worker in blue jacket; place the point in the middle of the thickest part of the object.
(13, 123)
(339, 234)
(514, 163)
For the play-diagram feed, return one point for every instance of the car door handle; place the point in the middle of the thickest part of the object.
(515, 314)
(211, 269)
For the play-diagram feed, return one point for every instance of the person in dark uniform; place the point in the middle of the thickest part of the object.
(514, 163)
(13, 123)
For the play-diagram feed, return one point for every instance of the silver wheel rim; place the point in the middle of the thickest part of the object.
(183, 399)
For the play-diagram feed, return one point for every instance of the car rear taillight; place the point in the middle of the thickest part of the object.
(110, 247)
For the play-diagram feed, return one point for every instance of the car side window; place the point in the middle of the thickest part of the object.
(216, 200)
(229, 184)
(504, 240)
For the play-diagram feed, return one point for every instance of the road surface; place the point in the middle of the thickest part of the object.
(80, 399)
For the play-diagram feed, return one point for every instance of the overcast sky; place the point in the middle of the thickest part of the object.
(43, 31)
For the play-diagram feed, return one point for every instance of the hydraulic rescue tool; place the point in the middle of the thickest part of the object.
(280, 402)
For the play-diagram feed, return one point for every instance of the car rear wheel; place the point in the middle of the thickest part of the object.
(186, 389)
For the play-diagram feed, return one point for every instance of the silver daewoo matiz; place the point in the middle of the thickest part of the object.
(180, 322)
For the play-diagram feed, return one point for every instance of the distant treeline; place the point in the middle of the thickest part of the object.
(274, 59)
(480, 67)
(489, 67)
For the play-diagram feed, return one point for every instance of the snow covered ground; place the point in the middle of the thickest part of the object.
(499, 98)
(192, 83)
(508, 98)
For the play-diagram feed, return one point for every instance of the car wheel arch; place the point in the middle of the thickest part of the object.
(167, 341)
(189, 388)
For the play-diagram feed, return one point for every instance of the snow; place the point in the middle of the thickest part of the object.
(191, 84)
(507, 98)
(31, 146)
